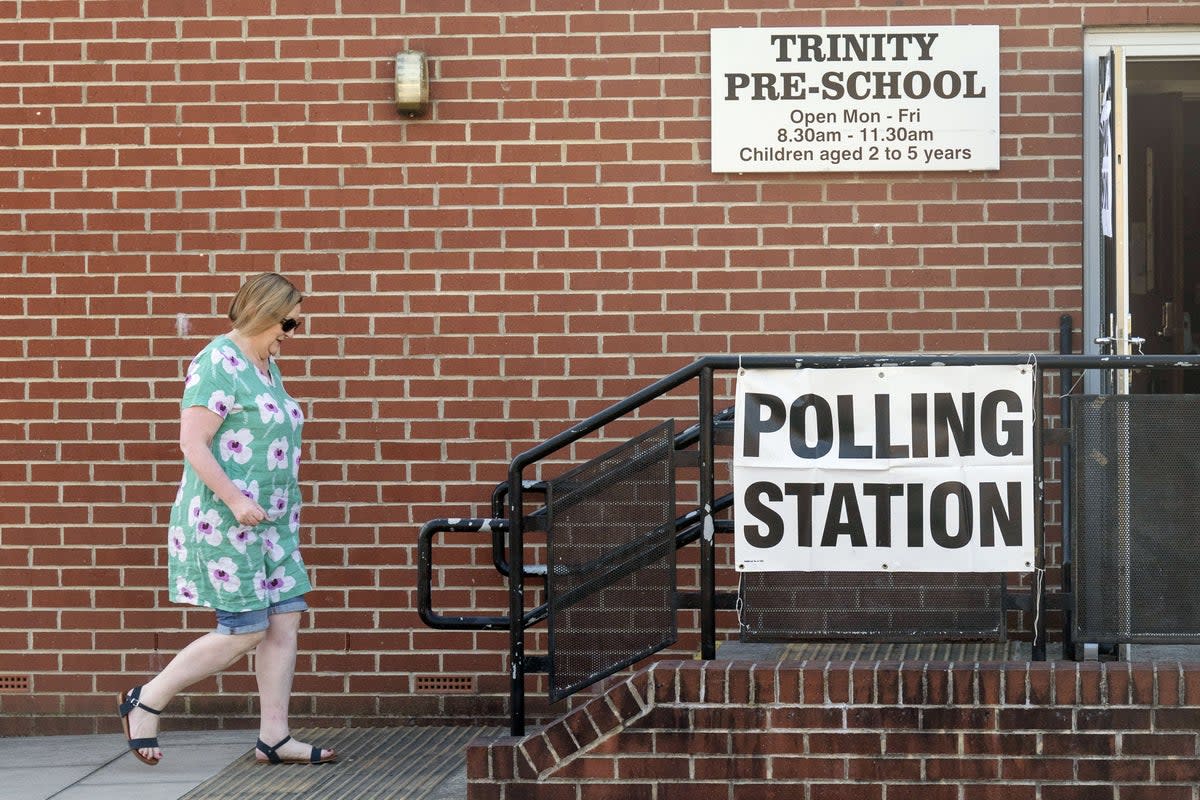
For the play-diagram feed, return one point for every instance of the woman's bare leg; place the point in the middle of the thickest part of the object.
(208, 655)
(275, 666)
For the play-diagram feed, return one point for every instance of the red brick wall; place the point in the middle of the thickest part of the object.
(863, 730)
(547, 239)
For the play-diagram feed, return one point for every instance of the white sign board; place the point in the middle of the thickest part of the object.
(849, 99)
(905, 469)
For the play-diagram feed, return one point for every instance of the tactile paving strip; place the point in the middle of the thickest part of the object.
(394, 763)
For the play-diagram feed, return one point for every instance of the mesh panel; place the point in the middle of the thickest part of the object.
(879, 606)
(1136, 521)
(611, 555)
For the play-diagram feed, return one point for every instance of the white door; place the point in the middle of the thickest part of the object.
(1114, 333)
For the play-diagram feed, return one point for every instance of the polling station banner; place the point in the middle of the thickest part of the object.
(903, 469)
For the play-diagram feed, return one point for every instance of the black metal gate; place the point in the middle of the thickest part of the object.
(611, 556)
(1136, 531)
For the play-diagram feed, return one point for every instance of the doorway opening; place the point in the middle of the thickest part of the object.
(1163, 205)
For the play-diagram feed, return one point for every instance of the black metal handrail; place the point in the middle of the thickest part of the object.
(688, 528)
(700, 524)
(683, 440)
(425, 573)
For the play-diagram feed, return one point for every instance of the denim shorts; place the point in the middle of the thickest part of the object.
(235, 622)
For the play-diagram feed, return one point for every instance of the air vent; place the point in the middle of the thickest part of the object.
(14, 683)
(446, 684)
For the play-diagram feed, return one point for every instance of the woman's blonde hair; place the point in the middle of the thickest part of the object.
(263, 301)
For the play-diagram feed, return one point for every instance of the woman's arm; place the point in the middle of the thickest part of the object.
(197, 427)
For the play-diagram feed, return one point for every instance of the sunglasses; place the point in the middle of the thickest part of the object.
(288, 324)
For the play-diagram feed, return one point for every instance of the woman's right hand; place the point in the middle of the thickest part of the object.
(247, 512)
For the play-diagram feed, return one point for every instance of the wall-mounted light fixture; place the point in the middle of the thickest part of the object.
(412, 82)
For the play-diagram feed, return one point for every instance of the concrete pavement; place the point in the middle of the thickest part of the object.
(100, 767)
(403, 763)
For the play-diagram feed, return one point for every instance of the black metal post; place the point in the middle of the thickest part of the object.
(1039, 552)
(516, 601)
(1066, 382)
(708, 575)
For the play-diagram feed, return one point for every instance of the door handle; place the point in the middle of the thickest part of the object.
(1168, 320)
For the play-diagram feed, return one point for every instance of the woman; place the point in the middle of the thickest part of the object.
(234, 530)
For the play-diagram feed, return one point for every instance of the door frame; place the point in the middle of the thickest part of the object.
(1137, 43)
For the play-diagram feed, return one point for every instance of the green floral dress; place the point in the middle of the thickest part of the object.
(214, 561)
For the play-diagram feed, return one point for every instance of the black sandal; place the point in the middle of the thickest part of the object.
(128, 702)
(273, 757)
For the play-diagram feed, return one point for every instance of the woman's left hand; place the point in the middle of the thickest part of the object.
(247, 512)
